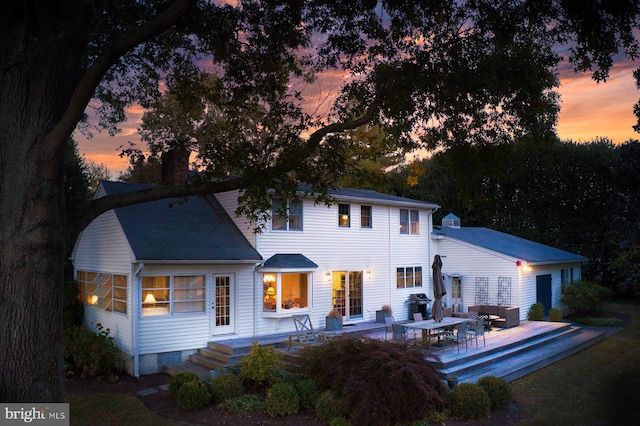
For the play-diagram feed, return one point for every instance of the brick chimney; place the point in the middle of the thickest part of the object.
(175, 166)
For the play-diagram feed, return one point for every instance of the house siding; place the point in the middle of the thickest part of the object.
(379, 249)
(229, 201)
(472, 262)
(103, 247)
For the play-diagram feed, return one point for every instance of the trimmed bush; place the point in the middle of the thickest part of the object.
(536, 312)
(469, 401)
(308, 391)
(328, 406)
(225, 386)
(377, 380)
(193, 395)
(498, 390)
(585, 296)
(243, 404)
(282, 400)
(555, 315)
(261, 366)
(176, 382)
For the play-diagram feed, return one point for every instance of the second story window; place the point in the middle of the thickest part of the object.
(291, 220)
(344, 215)
(365, 217)
(409, 221)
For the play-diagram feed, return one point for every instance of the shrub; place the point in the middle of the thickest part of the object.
(308, 391)
(225, 386)
(498, 390)
(193, 395)
(469, 401)
(261, 365)
(248, 403)
(536, 312)
(95, 354)
(282, 400)
(339, 421)
(176, 382)
(555, 315)
(328, 406)
(585, 296)
(377, 380)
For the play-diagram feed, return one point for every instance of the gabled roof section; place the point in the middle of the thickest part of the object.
(510, 245)
(289, 261)
(193, 229)
(372, 197)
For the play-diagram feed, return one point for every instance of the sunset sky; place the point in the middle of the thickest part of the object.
(588, 110)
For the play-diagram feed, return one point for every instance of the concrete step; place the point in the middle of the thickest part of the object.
(187, 366)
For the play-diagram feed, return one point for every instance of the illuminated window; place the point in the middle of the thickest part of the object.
(164, 295)
(285, 292)
(409, 221)
(103, 291)
(409, 277)
(344, 215)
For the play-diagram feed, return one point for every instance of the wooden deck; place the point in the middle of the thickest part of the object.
(508, 353)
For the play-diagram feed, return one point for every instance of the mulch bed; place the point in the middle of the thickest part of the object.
(165, 405)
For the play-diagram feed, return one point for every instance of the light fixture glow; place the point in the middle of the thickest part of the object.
(149, 298)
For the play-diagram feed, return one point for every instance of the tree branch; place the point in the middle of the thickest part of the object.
(89, 82)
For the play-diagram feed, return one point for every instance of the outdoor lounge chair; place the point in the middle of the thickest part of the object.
(304, 335)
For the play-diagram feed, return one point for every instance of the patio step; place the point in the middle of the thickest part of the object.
(514, 361)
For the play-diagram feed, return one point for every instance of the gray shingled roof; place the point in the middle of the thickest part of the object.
(198, 229)
(372, 196)
(510, 245)
(289, 261)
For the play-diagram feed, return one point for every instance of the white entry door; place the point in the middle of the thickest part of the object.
(222, 301)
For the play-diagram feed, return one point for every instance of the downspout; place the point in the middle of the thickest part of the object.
(136, 305)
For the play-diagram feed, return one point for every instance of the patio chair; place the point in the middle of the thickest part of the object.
(459, 335)
(389, 320)
(400, 333)
(472, 314)
(304, 335)
(478, 330)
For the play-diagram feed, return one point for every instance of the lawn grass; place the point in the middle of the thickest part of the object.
(599, 385)
(113, 409)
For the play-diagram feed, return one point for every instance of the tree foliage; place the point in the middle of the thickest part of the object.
(579, 197)
(430, 73)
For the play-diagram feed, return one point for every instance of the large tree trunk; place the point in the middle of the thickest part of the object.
(36, 84)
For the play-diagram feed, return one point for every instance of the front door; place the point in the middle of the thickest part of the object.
(347, 293)
(543, 291)
(222, 299)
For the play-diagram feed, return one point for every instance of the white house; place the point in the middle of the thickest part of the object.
(483, 266)
(167, 277)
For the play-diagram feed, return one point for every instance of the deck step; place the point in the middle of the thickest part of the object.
(517, 363)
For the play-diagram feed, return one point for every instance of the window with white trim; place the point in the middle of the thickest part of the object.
(291, 220)
(103, 291)
(286, 292)
(344, 215)
(173, 294)
(409, 221)
(366, 218)
(410, 276)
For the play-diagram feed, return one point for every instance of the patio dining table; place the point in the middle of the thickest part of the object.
(429, 326)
